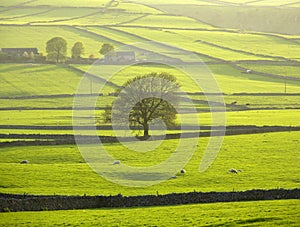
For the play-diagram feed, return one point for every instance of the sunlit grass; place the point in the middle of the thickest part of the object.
(262, 213)
(62, 170)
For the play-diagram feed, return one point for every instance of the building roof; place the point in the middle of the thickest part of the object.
(125, 53)
(20, 50)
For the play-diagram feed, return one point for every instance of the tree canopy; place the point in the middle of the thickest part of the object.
(145, 98)
(106, 48)
(77, 50)
(56, 49)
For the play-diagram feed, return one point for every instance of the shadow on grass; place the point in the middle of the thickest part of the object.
(247, 221)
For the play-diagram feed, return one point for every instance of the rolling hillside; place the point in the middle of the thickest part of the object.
(250, 48)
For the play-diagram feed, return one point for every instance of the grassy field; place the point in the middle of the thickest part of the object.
(226, 35)
(21, 80)
(253, 43)
(248, 101)
(75, 3)
(64, 117)
(243, 17)
(122, 37)
(14, 79)
(264, 213)
(64, 167)
(15, 35)
(188, 44)
(50, 102)
(273, 3)
(35, 79)
(249, 83)
(291, 71)
(167, 21)
(224, 75)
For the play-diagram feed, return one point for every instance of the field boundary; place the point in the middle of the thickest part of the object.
(275, 76)
(12, 202)
(63, 139)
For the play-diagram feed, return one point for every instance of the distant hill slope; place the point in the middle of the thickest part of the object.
(281, 20)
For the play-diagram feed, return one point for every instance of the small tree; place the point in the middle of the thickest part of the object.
(56, 49)
(146, 97)
(77, 50)
(106, 48)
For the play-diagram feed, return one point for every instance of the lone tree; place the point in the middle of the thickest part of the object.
(56, 49)
(77, 50)
(106, 48)
(145, 98)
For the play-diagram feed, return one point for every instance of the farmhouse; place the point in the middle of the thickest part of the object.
(120, 57)
(19, 51)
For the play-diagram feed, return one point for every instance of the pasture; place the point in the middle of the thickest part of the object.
(28, 35)
(229, 36)
(255, 43)
(180, 41)
(263, 213)
(64, 167)
(223, 74)
(282, 70)
(244, 18)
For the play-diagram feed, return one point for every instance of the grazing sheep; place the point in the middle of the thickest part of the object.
(24, 162)
(248, 71)
(183, 171)
(117, 162)
(233, 171)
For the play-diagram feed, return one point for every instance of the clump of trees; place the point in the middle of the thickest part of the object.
(147, 98)
(77, 50)
(56, 49)
(56, 52)
(106, 48)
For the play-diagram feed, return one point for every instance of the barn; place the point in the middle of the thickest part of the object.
(120, 57)
(19, 51)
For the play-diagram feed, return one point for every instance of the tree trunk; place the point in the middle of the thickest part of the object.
(146, 131)
(57, 56)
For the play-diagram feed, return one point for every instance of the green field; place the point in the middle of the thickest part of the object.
(264, 213)
(69, 174)
(291, 71)
(255, 16)
(21, 80)
(15, 35)
(166, 21)
(64, 117)
(253, 43)
(224, 75)
(190, 45)
(228, 36)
